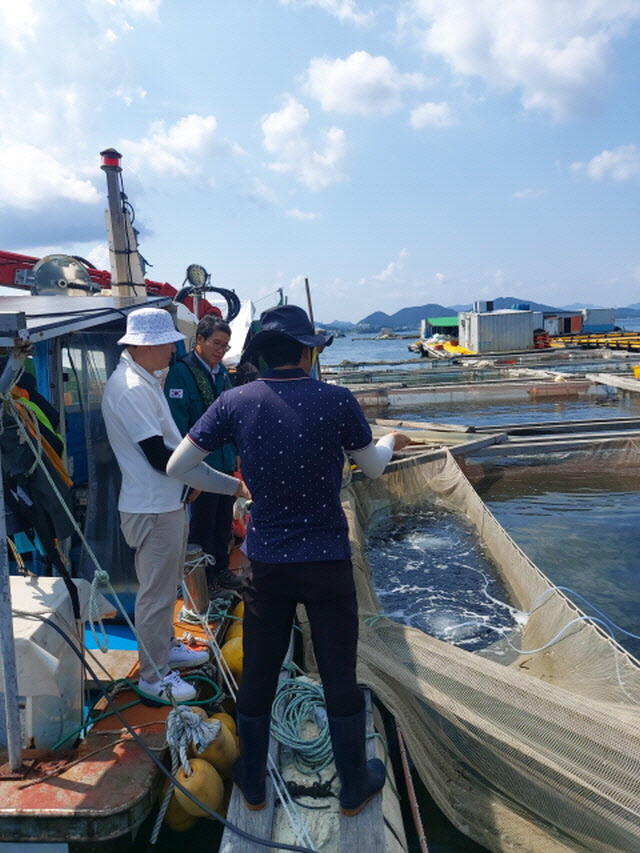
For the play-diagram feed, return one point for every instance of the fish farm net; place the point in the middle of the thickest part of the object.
(533, 742)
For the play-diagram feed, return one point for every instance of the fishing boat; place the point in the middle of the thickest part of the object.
(82, 758)
(90, 777)
(530, 744)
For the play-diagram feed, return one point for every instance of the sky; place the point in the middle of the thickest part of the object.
(392, 153)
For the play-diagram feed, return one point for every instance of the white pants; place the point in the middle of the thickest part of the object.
(160, 542)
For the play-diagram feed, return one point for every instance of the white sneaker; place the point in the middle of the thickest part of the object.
(182, 656)
(172, 684)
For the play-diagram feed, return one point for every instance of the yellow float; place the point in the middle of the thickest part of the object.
(175, 816)
(226, 720)
(204, 783)
(232, 653)
(238, 610)
(199, 711)
(234, 630)
(222, 752)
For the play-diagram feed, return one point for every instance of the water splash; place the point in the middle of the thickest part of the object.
(432, 573)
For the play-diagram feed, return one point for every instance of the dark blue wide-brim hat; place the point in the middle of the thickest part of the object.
(290, 321)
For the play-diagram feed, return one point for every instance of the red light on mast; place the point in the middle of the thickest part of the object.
(110, 159)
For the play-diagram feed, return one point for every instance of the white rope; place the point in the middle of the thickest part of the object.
(184, 727)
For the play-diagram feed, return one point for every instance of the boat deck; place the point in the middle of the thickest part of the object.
(363, 833)
(104, 788)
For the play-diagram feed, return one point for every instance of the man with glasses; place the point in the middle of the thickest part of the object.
(192, 384)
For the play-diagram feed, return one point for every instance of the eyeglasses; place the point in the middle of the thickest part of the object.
(220, 345)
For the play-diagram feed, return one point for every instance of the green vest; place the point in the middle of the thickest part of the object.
(189, 390)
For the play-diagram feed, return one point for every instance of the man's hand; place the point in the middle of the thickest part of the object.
(193, 494)
(401, 440)
(242, 491)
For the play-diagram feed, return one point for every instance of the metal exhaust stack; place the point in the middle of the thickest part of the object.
(127, 278)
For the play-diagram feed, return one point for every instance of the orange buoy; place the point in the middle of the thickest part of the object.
(175, 816)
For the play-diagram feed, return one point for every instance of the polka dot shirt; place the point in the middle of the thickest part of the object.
(290, 431)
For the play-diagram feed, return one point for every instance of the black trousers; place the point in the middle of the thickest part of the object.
(210, 527)
(327, 590)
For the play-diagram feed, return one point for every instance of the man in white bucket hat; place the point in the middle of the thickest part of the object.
(153, 515)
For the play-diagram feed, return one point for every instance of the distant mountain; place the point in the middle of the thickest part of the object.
(405, 318)
(410, 318)
(338, 324)
(503, 302)
(629, 311)
(576, 306)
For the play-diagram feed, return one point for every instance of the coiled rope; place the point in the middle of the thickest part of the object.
(297, 702)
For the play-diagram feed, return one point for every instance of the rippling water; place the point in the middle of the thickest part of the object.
(431, 572)
(475, 413)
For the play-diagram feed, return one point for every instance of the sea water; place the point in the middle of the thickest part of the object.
(431, 572)
(578, 525)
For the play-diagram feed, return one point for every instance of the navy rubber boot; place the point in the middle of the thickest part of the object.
(360, 779)
(250, 770)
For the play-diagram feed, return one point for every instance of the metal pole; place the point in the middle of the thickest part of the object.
(121, 278)
(308, 289)
(9, 671)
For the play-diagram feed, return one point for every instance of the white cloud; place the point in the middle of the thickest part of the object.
(361, 84)
(621, 164)
(119, 10)
(344, 10)
(529, 192)
(180, 150)
(130, 94)
(31, 177)
(556, 53)
(99, 256)
(141, 8)
(17, 23)
(284, 139)
(304, 216)
(390, 271)
(432, 115)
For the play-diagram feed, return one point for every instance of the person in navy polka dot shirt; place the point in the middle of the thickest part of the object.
(291, 432)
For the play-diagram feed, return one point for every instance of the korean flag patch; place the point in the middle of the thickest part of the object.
(175, 393)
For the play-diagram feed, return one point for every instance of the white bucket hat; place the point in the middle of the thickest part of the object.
(150, 327)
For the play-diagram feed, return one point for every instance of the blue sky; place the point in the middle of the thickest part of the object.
(393, 153)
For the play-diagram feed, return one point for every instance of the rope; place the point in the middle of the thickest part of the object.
(184, 727)
(100, 576)
(297, 702)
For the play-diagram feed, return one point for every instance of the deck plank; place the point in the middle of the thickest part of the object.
(258, 824)
(364, 833)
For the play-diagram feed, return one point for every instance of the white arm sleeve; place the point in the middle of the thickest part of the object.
(372, 460)
(187, 466)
